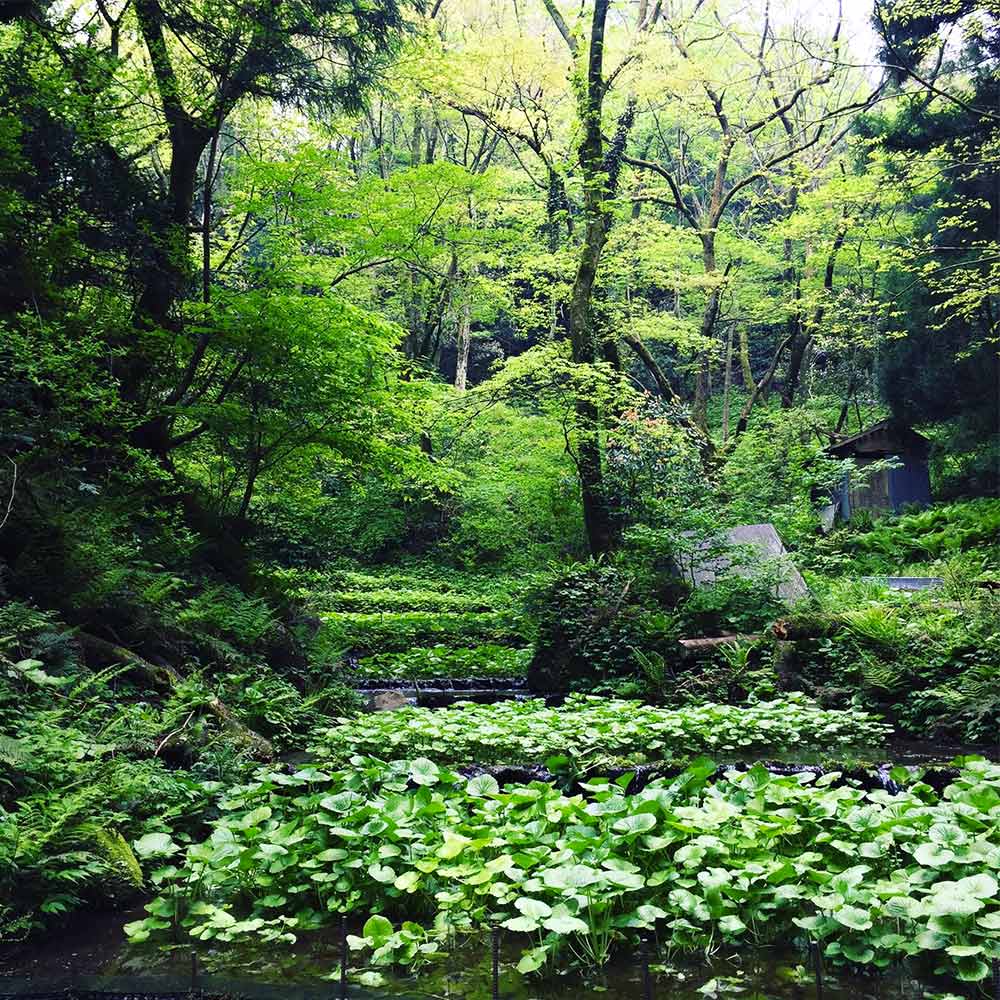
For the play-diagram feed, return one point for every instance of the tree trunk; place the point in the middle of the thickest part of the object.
(748, 381)
(794, 374)
(845, 408)
(463, 345)
(727, 385)
(699, 408)
(415, 138)
(659, 376)
(762, 386)
(804, 338)
(596, 511)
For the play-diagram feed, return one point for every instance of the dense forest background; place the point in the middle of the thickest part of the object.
(292, 288)
(327, 281)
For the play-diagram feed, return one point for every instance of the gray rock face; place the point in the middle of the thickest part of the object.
(761, 543)
(388, 701)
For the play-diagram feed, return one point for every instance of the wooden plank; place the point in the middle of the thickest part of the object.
(694, 648)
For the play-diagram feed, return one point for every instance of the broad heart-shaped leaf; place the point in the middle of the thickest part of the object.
(981, 886)
(731, 924)
(571, 877)
(424, 771)
(565, 924)
(381, 873)
(154, 845)
(643, 916)
(860, 953)
(607, 807)
(692, 905)
(533, 907)
(377, 930)
(990, 921)
(522, 925)
(532, 961)
(951, 899)
(757, 778)
(138, 931)
(627, 880)
(971, 970)
(964, 950)
(902, 907)
(407, 882)
(934, 855)
(454, 844)
(947, 833)
(255, 817)
(636, 823)
(853, 917)
(482, 785)
(849, 878)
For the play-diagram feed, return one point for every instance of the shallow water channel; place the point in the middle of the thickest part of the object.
(91, 953)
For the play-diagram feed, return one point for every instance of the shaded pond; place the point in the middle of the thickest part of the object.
(91, 953)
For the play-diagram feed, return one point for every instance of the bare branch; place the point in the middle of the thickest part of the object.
(560, 22)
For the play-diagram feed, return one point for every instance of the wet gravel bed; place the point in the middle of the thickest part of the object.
(870, 778)
(518, 684)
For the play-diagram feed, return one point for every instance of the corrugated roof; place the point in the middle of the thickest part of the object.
(887, 425)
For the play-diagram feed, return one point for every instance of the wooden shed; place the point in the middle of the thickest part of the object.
(908, 482)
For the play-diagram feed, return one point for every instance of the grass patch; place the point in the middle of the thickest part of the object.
(401, 630)
(374, 601)
(427, 663)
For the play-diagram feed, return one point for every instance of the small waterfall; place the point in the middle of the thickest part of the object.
(885, 780)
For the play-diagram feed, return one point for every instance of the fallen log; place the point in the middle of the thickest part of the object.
(693, 648)
(812, 628)
(167, 678)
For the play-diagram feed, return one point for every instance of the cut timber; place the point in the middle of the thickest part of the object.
(692, 649)
(168, 679)
(741, 551)
(812, 628)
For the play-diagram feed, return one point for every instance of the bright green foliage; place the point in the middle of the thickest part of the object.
(515, 500)
(749, 858)
(595, 731)
(777, 473)
(90, 762)
(930, 534)
(399, 630)
(735, 603)
(930, 668)
(404, 600)
(428, 663)
(289, 361)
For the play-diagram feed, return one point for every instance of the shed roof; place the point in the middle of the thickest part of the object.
(887, 437)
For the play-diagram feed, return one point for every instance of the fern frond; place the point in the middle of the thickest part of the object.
(880, 674)
(115, 849)
(13, 753)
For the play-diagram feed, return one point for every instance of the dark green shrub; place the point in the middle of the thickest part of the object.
(271, 706)
(590, 625)
(733, 604)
